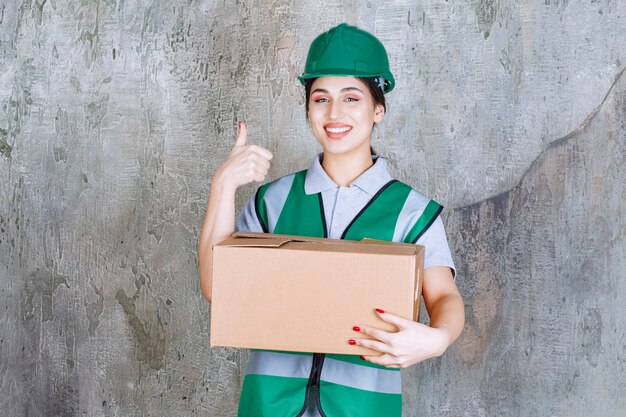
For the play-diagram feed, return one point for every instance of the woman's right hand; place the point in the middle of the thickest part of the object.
(244, 164)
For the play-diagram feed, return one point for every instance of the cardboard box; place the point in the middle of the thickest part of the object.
(305, 294)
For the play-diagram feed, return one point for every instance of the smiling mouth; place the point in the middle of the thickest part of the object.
(338, 129)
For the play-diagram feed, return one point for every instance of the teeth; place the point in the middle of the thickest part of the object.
(338, 129)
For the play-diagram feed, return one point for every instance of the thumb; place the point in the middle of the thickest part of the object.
(243, 135)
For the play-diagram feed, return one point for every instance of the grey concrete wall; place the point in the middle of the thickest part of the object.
(115, 114)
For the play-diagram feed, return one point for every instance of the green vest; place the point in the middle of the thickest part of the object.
(290, 384)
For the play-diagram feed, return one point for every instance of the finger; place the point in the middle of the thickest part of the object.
(259, 167)
(262, 152)
(373, 344)
(253, 170)
(243, 135)
(378, 334)
(258, 160)
(387, 360)
(259, 178)
(259, 174)
(400, 322)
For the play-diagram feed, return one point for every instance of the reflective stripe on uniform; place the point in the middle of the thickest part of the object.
(381, 380)
(428, 217)
(290, 365)
(411, 211)
(277, 193)
(341, 401)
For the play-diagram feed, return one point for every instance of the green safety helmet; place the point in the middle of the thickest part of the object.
(348, 51)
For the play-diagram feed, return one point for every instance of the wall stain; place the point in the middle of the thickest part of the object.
(52, 232)
(96, 110)
(156, 230)
(486, 13)
(151, 345)
(51, 282)
(38, 11)
(60, 154)
(21, 98)
(591, 330)
(17, 222)
(36, 304)
(94, 310)
(5, 147)
(88, 16)
(75, 83)
(560, 4)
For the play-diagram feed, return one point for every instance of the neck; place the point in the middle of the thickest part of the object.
(343, 169)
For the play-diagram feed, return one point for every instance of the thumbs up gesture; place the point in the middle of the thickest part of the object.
(244, 164)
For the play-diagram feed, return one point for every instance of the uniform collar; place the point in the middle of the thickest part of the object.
(317, 180)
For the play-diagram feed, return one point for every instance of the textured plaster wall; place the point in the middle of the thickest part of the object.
(115, 114)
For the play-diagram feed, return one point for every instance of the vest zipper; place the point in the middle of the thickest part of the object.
(312, 405)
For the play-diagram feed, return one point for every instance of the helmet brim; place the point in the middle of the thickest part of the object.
(389, 80)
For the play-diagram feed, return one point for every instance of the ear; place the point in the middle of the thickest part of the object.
(379, 113)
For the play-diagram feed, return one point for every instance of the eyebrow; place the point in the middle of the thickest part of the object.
(343, 90)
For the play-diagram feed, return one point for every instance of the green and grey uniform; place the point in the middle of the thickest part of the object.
(309, 203)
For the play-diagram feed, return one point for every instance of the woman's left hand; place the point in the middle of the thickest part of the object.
(412, 343)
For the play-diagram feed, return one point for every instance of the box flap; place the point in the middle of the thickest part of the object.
(276, 240)
(256, 243)
(264, 240)
(378, 242)
(270, 236)
(244, 241)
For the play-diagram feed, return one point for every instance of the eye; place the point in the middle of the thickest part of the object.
(351, 99)
(320, 100)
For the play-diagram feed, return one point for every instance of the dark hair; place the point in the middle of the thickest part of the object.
(372, 85)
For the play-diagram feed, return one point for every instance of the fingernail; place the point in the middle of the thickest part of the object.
(352, 341)
(356, 328)
(378, 310)
(362, 358)
(239, 124)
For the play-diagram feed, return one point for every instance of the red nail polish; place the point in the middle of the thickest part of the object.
(239, 124)
(352, 341)
(356, 328)
(378, 310)
(362, 358)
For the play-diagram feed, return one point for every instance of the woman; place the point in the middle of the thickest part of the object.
(346, 193)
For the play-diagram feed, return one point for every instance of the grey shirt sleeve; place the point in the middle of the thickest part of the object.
(437, 249)
(248, 220)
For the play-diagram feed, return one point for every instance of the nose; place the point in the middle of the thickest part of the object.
(336, 110)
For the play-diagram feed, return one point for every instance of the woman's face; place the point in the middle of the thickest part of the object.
(342, 114)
